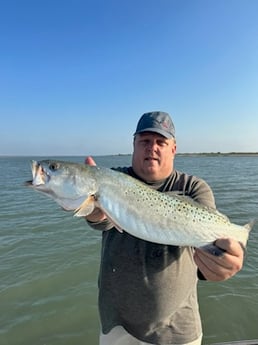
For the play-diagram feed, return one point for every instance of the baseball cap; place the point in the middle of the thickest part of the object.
(158, 122)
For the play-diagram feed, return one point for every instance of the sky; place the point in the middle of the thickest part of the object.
(76, 75)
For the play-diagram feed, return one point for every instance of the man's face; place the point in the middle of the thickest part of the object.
(153, 156)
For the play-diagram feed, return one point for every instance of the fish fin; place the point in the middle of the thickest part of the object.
(250, 225)
(248, 228)
(86, 207)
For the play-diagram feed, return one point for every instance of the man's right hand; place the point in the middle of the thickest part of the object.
(96, 215)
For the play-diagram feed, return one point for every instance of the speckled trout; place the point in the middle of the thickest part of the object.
(132, 205)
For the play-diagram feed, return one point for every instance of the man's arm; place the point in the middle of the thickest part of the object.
(212, 267)
(97, 215)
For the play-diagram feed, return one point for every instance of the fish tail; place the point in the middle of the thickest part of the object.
(250, 225)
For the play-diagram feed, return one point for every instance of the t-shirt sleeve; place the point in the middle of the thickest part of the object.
(102, 225)
(201, 192)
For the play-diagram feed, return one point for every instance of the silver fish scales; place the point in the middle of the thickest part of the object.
(133, 206)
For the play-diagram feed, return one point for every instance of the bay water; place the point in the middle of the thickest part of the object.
(49, 260)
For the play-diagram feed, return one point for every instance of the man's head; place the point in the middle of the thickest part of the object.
(154, 146)
(157, 122)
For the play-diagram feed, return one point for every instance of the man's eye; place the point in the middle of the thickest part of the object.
(161, 143)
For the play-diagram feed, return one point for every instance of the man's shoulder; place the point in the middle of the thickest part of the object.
(181, 180)
(125, 170)
(192, 186)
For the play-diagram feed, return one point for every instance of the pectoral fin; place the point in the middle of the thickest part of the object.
(86, 207)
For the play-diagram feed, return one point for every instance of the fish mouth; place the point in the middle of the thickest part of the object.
(39, 175)
(28, 183)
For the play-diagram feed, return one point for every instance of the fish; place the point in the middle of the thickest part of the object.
(133, 206)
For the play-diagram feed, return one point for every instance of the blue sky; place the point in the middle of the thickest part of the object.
(75, 75)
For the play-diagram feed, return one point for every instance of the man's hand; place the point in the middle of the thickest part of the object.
(97, 215)
(217, 268)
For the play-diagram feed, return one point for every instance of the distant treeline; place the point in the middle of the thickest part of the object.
(219, 154)
(206, 154)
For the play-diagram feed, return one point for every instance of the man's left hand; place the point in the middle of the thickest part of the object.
(217, 268)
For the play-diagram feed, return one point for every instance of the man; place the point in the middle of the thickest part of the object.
(147, 291)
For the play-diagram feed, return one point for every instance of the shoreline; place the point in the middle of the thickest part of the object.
(220, 154)
(207, 154)
(183, 154)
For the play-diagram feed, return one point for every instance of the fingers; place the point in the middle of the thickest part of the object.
(213, 268)
(97, 215)
(89, 160)
(216, 268)
(230, 246)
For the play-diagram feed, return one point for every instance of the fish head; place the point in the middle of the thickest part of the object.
(65, 182)
(47, 174)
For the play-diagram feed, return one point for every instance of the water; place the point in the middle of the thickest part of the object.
(49, 260)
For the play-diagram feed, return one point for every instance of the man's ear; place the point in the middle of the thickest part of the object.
(174, 148)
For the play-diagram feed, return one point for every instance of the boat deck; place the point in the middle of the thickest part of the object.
(239, 342)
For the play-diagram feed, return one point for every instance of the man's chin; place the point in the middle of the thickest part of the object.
(151, 171)
(152, 162)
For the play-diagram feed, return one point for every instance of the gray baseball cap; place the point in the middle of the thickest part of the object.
(158, 122)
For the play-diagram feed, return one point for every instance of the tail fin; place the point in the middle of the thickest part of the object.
(250, 225)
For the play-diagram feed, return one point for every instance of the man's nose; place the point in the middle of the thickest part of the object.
(152, 145)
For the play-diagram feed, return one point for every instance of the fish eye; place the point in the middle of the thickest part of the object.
(53, 166)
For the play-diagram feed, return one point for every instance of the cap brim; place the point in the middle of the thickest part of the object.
(156, 130)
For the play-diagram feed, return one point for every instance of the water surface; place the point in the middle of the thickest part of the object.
(49, 260)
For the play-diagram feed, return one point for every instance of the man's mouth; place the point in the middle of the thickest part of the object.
(151, 159)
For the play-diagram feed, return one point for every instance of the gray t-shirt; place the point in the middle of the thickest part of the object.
(151, 289)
